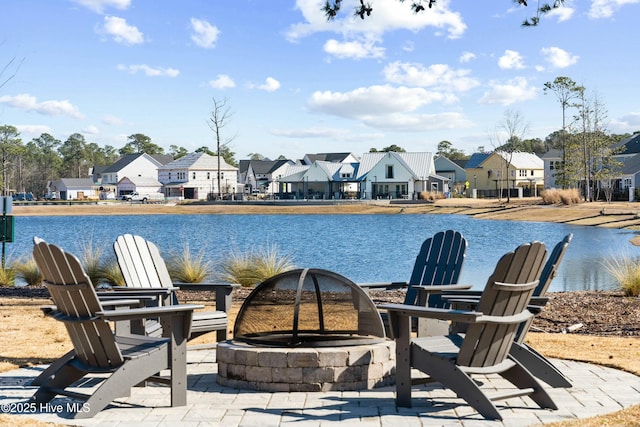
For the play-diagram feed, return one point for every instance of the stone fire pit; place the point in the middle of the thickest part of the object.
(307, 330)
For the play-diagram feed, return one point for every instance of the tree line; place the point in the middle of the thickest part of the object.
(28, 167)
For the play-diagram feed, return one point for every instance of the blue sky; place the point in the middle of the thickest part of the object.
(298, 84)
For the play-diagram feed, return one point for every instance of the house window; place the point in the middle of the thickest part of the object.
(169, 175)
(208, 175)
(389, 174)
(532, 172)
(193, 175)
(522, 173)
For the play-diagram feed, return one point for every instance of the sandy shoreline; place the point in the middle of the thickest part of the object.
(615, 215)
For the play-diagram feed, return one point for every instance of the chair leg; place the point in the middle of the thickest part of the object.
(449, 375)
(61, 379)
(522, 378)
(52, 368)
(538, 365)
(119, 383)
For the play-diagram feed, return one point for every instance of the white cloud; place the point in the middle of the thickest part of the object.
(559, 58)
(112, 120)
(149, 71)
(511, 60)
(436, 75)
(34, 130)
(514, 90)
(28, 102)
(121, 32)
(387, 107)
(222, 82)
(627, 123)
(91, 129)
(270, 85)
(467, 57)
(606, 8)
(98, 6)
(354, 49)
(204, 34)
(387, 16)
(563, 13)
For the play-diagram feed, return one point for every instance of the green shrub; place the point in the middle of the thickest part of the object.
(255, 266)
(28, 271)
(626, 271)
(187, 267)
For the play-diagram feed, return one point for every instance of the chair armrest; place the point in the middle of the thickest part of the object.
(383, 286)
(224, 292)
(516, 318)
(128, 292)
(142, 313)
(431, 312)
(442, 288)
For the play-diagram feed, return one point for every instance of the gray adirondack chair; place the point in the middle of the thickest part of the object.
(128, 360)
(453, 359)
(536, 363)
(436, 270)
(144, 270)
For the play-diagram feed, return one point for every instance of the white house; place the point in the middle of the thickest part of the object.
(73, 188)
(140, 184)
(131, 165)
(195, 176)
(263, 176)
(399, 175)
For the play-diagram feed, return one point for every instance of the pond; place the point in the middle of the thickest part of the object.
(364, 248)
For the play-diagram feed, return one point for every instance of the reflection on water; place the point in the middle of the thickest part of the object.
(364, 248)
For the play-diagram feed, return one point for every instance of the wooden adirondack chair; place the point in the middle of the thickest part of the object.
(436, 269)
(452, 359)
(536, 363)
(129, 360)
(144, 270)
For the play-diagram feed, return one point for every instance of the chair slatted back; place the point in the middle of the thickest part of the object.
(507, 293)
(141, 263)
(551, 267)
(77, 304)
(439, 262)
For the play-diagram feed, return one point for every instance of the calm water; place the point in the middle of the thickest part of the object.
(364, 248)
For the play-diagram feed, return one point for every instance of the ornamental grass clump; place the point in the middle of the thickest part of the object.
(7, 276)
(187, 267)
(626, 271)
(27, 270)
(91, 260)
(111, 274)
(253, 267)
(554, 196)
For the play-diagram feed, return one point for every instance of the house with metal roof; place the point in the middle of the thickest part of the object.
(491, 174)
(395, 175)
(195, 176)
(263, 176)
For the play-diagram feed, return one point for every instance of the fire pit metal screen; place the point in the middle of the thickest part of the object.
(308, 307)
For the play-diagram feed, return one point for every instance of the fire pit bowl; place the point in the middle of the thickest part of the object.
(307, 330)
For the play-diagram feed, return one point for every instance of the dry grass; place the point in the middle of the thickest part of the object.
(554, 196)
(17, 313)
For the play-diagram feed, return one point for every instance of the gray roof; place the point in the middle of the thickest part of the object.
(631, 165)
(631, 145)
(77, 182)
(267, 166)
(198, 161)
(476, 159)
(327, 157)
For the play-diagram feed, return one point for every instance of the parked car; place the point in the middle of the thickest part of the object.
(50, 196)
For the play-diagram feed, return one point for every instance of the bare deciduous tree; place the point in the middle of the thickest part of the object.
(219, 118)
